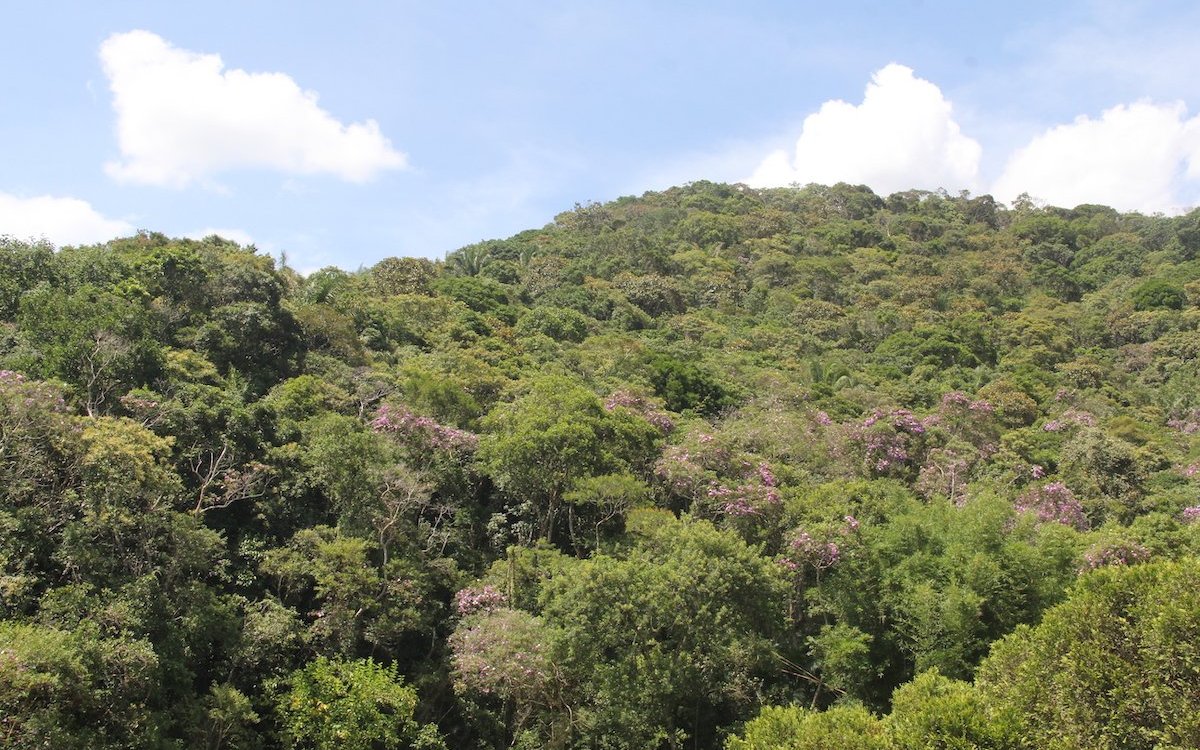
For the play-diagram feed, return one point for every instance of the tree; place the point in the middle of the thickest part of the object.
(261, 342)
(1158, 294)
(352, 705)
(1112, 667)
(933, 712)
(348, 598)
(77, 690)
(539, 445)
(95, 340)
(671, 640)
(796, 728)
(403, 276)
(684, 386)
(505, 654)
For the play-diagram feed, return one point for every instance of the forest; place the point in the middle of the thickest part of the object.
(712, 467)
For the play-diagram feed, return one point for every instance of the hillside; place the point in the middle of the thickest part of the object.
(874, 470)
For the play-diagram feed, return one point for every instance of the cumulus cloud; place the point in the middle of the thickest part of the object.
(902, 136)
(183, 117)
(1135, 157)
(237, 235)
(63, 221)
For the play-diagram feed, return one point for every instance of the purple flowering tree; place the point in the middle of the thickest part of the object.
(644, 407)
(1111, 552)
(888, 443)
(422, 436)
(1070, 420)
(715, 480)
(475, 600)
(35, 429)
(1053, 503)
(963, 433)
(437, 466)
(811, 553)
(502, 654)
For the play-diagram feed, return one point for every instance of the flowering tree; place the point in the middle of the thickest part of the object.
(715, 480)
(889, 443)
(504, 654)
(1053, 503)
(1108, 552)
(422, 436)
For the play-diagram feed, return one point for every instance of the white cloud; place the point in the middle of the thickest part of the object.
(902, 136)
(63, 221)
(183, 117)
(1135, 157)
(237, 235)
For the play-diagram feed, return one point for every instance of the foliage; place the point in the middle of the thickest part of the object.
(796, 728)
(627, 480)
(357, 705)
(1112, 667)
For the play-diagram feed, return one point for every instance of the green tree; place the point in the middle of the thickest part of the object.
(933, 712)
(95, 340)
(1158, 294)
(796, 728)
(557, 433)
(685, 386)
(1112, 667)
(77, 690)
(352, 705)
(673, 639)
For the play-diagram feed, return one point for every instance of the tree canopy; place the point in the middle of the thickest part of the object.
(711, 467)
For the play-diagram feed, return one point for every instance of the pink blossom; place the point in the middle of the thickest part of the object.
(485, 599)
(134, 403)
(743, 499)
(955, 398)
(643, 407)
(1113, 553)
(1079, 417)
(31, 393)
(1187, 423)
(804, 550)
(423, 431)
(1053, 503)
(1070, 417)
(905, 421)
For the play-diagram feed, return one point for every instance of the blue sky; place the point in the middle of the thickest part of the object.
(344, 135)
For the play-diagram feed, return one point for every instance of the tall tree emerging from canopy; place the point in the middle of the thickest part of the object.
(555, 434)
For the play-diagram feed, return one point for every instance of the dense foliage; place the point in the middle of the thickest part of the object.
(712, 467)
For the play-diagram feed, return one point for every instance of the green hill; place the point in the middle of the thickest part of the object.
(630, 480)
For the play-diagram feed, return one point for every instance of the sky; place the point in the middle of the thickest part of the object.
(344, 135)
